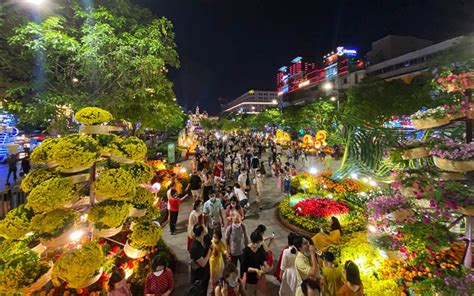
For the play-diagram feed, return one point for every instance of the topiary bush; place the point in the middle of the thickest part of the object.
(75, 151)
(109, 214)
(117, 184)
(78, 265)
(35, 178)
(51, 194)
(54, 223)
(141, 172)
(109, 144)
(145, 234)
(143, 199)
(133, 148)
(16, 223)
(93, 116)
(43, 153)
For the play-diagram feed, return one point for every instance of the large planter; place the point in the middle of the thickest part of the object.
(134, 212)
(430, 122)
(59, 241)
(99, 129)
(410, 191)
(109, 232)
(390, 254)
(121, 159)
(415, 153)
(81, 178)
(454, 165)
(40, 282)
(133, 253)
(75, 169)
(450, 176)
(468, 211)
(400, 215)
(91, 280)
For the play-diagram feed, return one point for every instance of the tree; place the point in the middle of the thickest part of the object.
(318, 115)
(102, 57)
(270, 116)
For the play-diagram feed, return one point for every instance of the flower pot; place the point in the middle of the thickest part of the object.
(468, 211)
(134, 212)
(81, 178)
(390, 254)
(430, 122)
(133, 253)
(100, 198)
(109, 232)
(449, 176)
(121, 159)
(90, 281)
(40, 282)
(454, 165)
(415, 153)
(59, 241)
(400, 215)
(74, 170)
(98, 129)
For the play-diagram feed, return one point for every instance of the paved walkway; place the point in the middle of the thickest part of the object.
(270, 199)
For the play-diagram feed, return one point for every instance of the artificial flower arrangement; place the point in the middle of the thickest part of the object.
(79, 267)
(75, 152)
(143, 199)
(35, 178)
(16, 223)
(140, 171)
(52, 194)
(53, 224)
(117, 184)
(20, 267)
(109, 214)
(457, 82)
(145, 235)
(93, 116)
(43, 153)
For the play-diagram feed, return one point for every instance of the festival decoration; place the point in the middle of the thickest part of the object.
(93, 116)
(313, 144)
(457, 82)
(16, 224)
(282, 137)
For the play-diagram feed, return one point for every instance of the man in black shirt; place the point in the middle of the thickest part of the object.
(195, 185)
(200, 253)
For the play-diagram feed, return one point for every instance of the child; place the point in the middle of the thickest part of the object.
(353, 285)
(332, 274)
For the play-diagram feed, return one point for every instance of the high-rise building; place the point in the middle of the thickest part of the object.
(252, 102)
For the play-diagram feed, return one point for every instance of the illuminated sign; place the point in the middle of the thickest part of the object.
(331, 71)
(345, 51)
(303, 84)
(296, 60)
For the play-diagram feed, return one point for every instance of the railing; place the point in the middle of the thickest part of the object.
(11, 198)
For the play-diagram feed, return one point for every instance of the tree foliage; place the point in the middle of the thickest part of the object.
(101, 57)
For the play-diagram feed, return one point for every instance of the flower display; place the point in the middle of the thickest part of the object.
(115, 183)
(35, 178)
(109, 144)
(145, 235)
(54, 223)
(108, 214)
(51, 194)
(92, 116)
(422, 238)
(454, 150)
(386, 242)
(78, 265)
(323, 184)
(75, 151)
(456, 82)
(43, 153)
(141, 172)
(20, 267)
(320, 208)
(143, 199)
(133, 148)
(417, 178)
(16, 223)
(379, 207)
(436, 113)
(157, 165)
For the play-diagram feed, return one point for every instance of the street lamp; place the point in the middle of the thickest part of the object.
(274, 102)
(333, 99)
(35, 2)
(327, 86)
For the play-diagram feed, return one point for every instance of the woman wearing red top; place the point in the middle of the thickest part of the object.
(173, 207)
(159, 282)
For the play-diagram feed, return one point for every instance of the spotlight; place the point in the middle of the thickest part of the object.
(76, 235)
(313, 171)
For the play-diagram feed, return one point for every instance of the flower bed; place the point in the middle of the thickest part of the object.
(325, 186)
(320, 208)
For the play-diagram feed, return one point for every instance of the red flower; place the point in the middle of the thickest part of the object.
(320, 208)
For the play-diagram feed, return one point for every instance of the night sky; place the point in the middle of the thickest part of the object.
(228, 47)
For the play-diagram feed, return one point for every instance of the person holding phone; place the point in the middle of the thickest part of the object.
(230, 284)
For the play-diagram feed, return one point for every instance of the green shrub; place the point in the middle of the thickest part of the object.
(109, 144)
(43, 153)
(75, 151)
(143, 199)
(141, 172)
(16, 223)
(133, 148)
(54, 223)
(35, 178)
(145, 234)
(93, 116)
(117, 184)
(108, 214)
(51, 194)
(78, 265)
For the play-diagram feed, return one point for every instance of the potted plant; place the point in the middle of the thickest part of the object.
(93, 116)
(51, 194)
(392, 207)
(387, 246)
(144, 236)
(108, 217)
(132, 149)
(457, 82)
(141, 172)
(454, 156)
(35, 178)
(55, 227)
(414, 149)
(109, 144)
(415, 182)
(142, 200)
(117, 184)
(422, 237)
(451, 197)
(43, 153)
(429, 118)
(75, 153)
(16, 223)
(79, 267)
(21, 269)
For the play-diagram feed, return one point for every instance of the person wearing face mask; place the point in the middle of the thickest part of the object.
(230, 284)
(118, 284)
(254, 265)
(200, 254)
(306, 263)
(258, 182)
(212, 211)
(195, 217)
(216, 262)
(159, 281)
(233, 209)
(236, 240)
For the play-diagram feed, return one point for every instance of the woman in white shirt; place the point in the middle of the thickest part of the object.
(288, 270)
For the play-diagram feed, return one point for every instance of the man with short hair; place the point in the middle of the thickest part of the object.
(212, 211)
(195, 185)
(236, 240)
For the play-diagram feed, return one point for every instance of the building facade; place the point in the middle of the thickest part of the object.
(252, 102)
